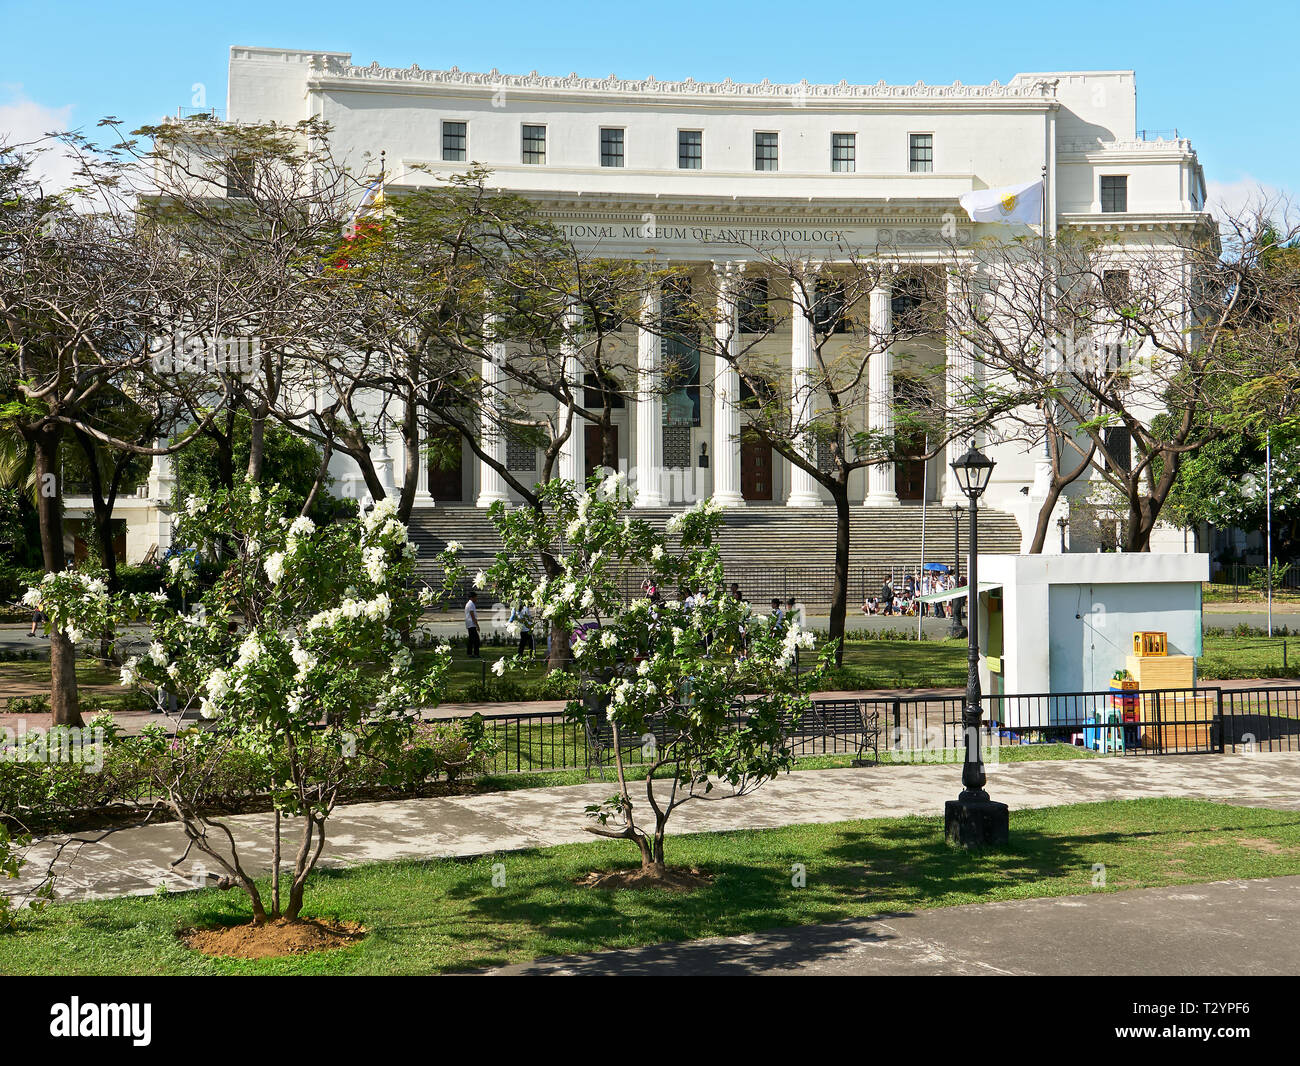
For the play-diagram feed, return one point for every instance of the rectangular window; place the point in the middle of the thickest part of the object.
(844, 149)
(597, 389)
(690, 149)
(611, 147)
(534, 144)
(1114, 285)
(1119, 446)
(1114, 192)
(752, 306)
(239, 177)
(765, 151)
(679, 355)
(920, 153)
(829, 308)
(453, 141)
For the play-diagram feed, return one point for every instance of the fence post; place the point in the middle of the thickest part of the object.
(898, 723)
(1223, 725)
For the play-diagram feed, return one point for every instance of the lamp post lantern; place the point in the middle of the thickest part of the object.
(972, 819)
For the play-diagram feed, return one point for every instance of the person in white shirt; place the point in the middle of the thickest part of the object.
(471, 627)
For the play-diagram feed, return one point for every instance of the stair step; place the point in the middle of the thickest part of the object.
(771, 543)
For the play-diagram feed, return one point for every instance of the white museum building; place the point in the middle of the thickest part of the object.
(698, 174)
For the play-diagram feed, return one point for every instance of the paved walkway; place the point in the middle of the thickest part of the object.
(136, 861)
(1219, 929)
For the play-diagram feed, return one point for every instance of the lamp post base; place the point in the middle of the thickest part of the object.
(975, 823)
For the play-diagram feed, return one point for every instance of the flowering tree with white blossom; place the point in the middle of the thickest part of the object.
(299, 653)
(697, 692)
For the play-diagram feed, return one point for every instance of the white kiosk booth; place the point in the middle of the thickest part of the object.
(1064, 623)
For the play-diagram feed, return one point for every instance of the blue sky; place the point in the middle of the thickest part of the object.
(1201, 67)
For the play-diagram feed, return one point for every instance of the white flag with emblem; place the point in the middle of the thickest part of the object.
(1011, 203)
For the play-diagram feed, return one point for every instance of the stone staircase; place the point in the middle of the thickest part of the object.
(770, 550)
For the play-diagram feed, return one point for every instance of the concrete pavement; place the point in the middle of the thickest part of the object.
(135, 861)
(1226, 928)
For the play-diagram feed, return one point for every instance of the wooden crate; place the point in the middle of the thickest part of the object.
(1181, 724)
(1150, 643)
(1163, 671)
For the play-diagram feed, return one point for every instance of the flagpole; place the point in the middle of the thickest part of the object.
(1268, 520)
(1049, 362)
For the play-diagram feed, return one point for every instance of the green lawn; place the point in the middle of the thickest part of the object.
(868, 664)
(445, 915)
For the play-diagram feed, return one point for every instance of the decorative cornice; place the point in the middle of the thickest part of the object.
(1180, 145)
(328, 66)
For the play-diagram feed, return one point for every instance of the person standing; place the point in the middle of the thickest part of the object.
(471, 626)
(887, 597)
(522, 616)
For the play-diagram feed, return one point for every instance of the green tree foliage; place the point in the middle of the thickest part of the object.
(290, 460)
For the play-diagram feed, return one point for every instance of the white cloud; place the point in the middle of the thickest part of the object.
(26, 122)
(1246, 195)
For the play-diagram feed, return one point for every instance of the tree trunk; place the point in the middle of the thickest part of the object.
(840, 590)
(410, 464)
(256, 445)
(1137, 536)
(49, 508)
(275, 866)
(1044, 525)
(560, 654)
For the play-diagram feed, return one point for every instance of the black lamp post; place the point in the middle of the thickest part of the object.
(1062, 524)
(956, 630)
(972, 819)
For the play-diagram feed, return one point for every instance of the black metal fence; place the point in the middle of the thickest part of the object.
(1242, 578)
(929, 727)
(811, 586)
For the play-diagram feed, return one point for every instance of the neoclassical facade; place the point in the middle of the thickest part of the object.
(699, 174)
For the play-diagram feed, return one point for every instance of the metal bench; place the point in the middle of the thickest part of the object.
(838, 721)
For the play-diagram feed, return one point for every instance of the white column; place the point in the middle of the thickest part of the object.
(491, 485)
(423, 498)
(649, 406)
(803, 486)
(880, 399)
(959, 378)
(162, 479)
(572, 459)
(726, 393)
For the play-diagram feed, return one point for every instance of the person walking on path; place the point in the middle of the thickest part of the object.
(523, 617)
(38, 616)
(471, 626)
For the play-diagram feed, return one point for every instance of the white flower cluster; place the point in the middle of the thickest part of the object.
(373, 558)
(375, 610)
(704, 506)
(795, 637)
(305, 661)
(628, 691)
(274, 566)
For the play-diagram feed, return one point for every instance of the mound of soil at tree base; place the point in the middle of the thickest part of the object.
(673, 878)
(274, 939)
